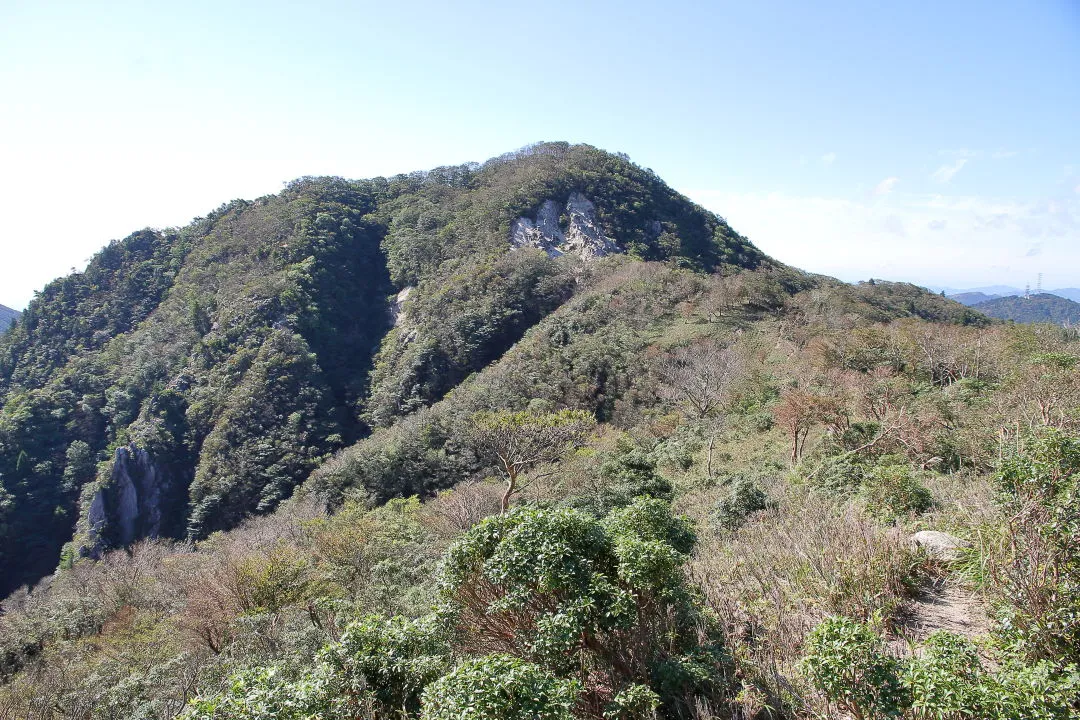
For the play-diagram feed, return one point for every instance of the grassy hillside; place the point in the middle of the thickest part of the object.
(839, 422)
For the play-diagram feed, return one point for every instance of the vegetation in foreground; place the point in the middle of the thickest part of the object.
(681, 491)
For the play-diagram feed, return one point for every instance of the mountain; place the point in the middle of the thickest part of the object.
(7, 316)
(1041, 308)
(995, 290)
(1067, 293)
(193, 376)
(537, 437)
(972, 298)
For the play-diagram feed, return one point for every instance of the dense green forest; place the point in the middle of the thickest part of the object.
(353, 451)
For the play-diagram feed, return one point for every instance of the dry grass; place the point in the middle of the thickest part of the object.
(778, 576)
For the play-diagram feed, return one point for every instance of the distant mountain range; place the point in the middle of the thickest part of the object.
(974, 296)
(1041, 308)
(7, 316)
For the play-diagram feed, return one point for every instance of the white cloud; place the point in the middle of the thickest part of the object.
(1077, 189)
(828, 158)
(886, 186)
(945, 173)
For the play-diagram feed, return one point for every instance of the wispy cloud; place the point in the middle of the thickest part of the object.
(945, 173)
(960, 153)
(886, 186)
(949, 240)
(828, 158)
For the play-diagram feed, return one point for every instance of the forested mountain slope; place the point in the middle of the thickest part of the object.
(192, 376)
(1039, 308)
(802, 426)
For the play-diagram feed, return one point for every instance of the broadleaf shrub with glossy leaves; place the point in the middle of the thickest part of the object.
(847, 661)
(603, 601)
(500, 686)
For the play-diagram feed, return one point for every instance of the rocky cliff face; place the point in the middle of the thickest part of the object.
(129, 505)
(583, 236)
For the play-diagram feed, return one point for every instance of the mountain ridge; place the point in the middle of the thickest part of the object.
(261, 449)
(1035, 308)
(239, 351)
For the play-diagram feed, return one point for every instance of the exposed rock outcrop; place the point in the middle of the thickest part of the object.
(583, 236)
(128, 505)
(942, 545)
(397, 306)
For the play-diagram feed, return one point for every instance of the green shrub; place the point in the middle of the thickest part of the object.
(499, 686)
(628, 473)
(1038, 579)
(892, 491)
(636, 702)
(387, 662)
(743, 499)
(840, 475)
(261, 694)
(603, 601)
(946, 681)
(847, 661)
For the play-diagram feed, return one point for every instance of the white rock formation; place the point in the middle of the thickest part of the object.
(583, 236)
(397, 307)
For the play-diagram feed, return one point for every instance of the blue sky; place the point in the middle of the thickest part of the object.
(933, 142)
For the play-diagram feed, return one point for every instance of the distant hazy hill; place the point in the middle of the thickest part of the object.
(972, 297)
(989, 290)
(1069, 293)
(7, 316)
(1044, 307)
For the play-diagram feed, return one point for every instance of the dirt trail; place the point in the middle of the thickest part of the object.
(944, 608)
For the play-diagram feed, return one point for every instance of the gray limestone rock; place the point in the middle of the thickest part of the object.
(583, 236)
(942, 545)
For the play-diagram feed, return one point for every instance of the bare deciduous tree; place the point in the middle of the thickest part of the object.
(698, 377)
(799, 410)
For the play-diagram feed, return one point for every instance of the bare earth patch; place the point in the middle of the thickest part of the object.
(948, 608)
